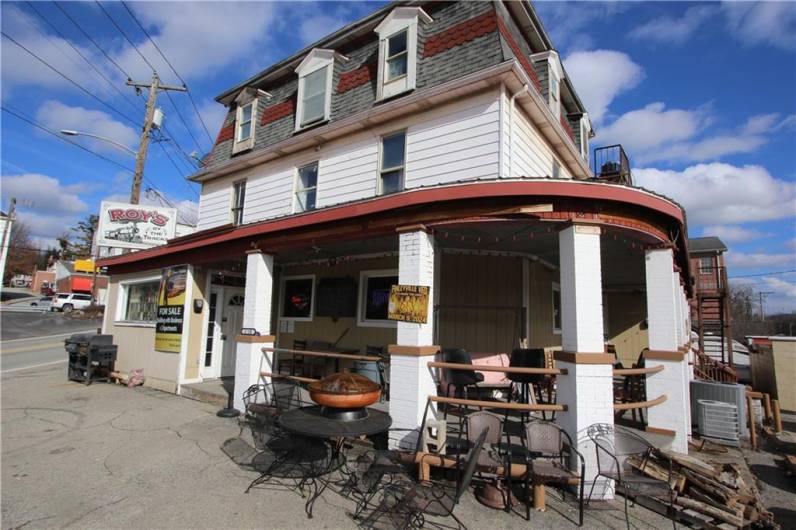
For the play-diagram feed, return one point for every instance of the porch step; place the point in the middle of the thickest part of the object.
(213, 391)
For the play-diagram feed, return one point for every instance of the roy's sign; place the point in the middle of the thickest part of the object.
(135, 225)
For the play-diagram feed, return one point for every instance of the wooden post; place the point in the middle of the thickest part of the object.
(777, 417)
(752, 431)
(538, 496)
(767, 407)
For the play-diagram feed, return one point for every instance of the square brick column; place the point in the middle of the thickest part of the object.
(249, 359)
(411, 380)
(665, 349)
(587, 389)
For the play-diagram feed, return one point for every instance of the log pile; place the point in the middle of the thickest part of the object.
(714, 493)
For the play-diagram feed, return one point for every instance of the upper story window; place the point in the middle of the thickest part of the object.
(306, 186)
(398, 50)
(315, 88)
(393, 156)
(550, 61)
(554, 87)
(246, 119)
(706, 264)
(238, 200)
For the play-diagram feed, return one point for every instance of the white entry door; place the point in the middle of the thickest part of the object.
(211, 364)
(231, 322)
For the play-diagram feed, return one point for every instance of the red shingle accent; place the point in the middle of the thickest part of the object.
(361, 76)
(518, 53)
(226, 133)
(461, 33)
(278, 111)
(567, 127)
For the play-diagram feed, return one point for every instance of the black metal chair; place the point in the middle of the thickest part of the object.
(548, 453)
(460, 380)
(407, 504)
(263, 403)
(615, 445)
(378, 351)
(527, 358)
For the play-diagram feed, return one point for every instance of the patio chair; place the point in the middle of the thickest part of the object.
(548, 453)
(527, 358)
(378, 351)
(460, 380)
(614, 445)
(407, 504)
(493, 455)
(263, 403)
(289, 362)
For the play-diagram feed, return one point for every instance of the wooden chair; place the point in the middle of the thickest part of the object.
(288, 365)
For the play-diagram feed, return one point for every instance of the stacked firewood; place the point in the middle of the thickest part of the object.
(714, 493)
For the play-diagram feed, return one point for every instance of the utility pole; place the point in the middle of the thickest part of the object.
(12, 207)
(762, 296)
(140, 158)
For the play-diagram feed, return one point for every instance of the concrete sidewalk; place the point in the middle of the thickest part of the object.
(106, 456)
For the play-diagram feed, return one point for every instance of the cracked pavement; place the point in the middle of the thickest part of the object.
(106, 456)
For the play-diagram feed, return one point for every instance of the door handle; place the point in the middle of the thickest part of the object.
(223, 337)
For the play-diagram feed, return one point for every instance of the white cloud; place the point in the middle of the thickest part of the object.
(781, 287)
(600, 76)
(42, 193)
(760, 123)
(199, 38)
(213, 114)
(58, 116)
(734, 234)
(649, 127)
(314, 27)
(568, 23)
(44, 228)
(718, 193)
(672, 30)
(753, 260)
(770, 23)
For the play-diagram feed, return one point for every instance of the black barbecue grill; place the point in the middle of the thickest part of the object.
(91, 357)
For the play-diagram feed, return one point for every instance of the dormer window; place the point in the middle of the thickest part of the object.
(246, 118)
(315, 88)
(398, 50)
(553, 88)
(550, 62)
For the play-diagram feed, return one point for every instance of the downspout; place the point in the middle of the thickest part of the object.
(520, 92)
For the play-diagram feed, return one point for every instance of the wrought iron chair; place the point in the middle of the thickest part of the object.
(407, 505)
(548, 453)
(615, 445)
(493, 455)
(263, 403)
(380, 365)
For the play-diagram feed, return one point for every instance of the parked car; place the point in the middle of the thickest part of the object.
(67, 302)
(46, 290)
(45, 302)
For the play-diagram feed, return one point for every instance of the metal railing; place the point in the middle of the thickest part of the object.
(710, 279)
(709, 369)
(611, 164)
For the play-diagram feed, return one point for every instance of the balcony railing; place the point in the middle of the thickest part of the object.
(710, 279)
(612, 165)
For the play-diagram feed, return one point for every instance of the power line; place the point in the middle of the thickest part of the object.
(209, 136)
(113, 21)
(763, 274)
(90, 63)
(72, 81)
(85, 34)
(60, 137)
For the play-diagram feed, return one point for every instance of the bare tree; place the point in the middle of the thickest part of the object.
(22, 255)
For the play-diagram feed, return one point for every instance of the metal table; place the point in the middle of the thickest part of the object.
(309, 422)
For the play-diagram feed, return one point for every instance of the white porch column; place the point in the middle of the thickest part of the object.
(587, 389)
(249, 360)
(665, 350)
(411, 381)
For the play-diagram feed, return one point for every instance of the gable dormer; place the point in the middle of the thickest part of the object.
(314, 100)
(246, 118)
(397, 33)
(551, 73)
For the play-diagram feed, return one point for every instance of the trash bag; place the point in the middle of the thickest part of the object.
(136, 377)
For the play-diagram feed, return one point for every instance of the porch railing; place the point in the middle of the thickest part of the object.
(611, 164)
(709, 369)
(711, 279)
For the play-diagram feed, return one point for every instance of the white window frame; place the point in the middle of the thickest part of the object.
(556, 288)
(584, 139)
(282, 283)
(379, 190)
(400, 19)
(363, 290)
(234, 204)
(245, 144)
(317, 59)
(121, 302)
(297, 184)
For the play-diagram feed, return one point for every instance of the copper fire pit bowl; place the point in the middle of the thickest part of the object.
(344, 391)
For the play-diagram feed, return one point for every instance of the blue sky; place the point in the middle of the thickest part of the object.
(702, 96)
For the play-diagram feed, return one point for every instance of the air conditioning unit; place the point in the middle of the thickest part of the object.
(732, 393)
(718, 421)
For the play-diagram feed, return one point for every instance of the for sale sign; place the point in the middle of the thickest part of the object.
(171, 309)
(137, 226)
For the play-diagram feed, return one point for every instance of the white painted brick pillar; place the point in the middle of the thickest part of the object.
(411, 381)
(663, 286)
(249, 359)
(587, 389)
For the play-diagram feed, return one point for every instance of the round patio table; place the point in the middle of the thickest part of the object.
(311, 423)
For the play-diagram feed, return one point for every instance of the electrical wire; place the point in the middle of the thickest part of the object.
(72, 81)
(184, 84)
(762, 274)
(113, 21)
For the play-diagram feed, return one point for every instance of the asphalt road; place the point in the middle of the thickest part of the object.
(37, 339)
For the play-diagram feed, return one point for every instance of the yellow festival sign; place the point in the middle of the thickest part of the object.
(408, 303)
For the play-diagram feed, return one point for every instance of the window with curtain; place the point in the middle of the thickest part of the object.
(142, 302)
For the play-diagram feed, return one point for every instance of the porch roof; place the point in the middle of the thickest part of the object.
(241, 238)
